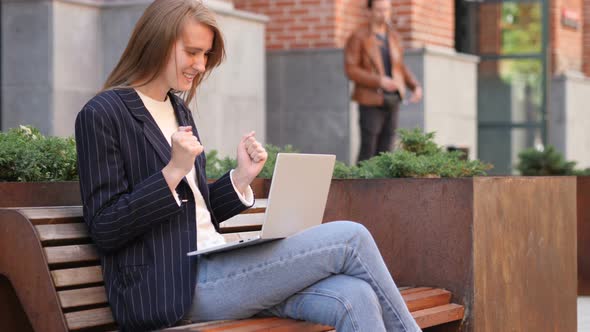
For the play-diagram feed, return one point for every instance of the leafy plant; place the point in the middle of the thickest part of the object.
(418, 142)
(418, 156)
(273, 151)
(533, 162)
(216, 167)
(26, 155)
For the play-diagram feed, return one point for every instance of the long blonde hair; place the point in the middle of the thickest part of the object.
(152, 39)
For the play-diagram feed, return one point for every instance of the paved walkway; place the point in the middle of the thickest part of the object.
(584, 314)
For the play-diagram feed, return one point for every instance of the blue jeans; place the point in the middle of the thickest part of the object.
(331, 274)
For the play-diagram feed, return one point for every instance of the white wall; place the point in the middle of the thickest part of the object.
(57, 54)
(569, 117)
(232, 100)
(449, 106)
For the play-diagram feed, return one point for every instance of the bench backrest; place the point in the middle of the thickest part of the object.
(74, 265)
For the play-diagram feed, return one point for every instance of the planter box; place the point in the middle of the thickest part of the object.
(20, 194)
(584, 235)
(504, 246)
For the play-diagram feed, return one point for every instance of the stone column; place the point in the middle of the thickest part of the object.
(56, 54)
(569, 119)
(27, 63)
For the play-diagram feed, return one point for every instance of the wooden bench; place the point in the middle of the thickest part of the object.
(47, 256)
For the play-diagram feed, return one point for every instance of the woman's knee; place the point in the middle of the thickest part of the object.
(349, 225)
(352, 228)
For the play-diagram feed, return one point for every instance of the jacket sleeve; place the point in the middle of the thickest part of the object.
(115, 214)
(409, 78)
(225, 202)
(352, 65)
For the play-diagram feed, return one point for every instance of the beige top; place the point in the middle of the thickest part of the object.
(207, 236)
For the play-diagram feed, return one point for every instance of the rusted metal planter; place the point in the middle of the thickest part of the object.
(504, 246)
(583, 235)
(19, 194)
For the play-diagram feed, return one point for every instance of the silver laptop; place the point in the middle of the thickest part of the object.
(296, 201)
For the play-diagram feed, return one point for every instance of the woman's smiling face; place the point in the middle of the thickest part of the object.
(189, 55)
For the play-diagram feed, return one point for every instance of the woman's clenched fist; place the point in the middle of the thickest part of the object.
(185, 148)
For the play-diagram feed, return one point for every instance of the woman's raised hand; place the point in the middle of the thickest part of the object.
(251, 158)
(185, 148)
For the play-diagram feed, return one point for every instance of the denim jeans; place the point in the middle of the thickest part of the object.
(331, 274)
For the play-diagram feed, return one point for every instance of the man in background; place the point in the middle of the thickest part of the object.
(374, 62)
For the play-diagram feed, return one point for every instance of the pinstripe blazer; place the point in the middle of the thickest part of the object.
(141, 232)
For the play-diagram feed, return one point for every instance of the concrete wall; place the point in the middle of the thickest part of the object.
(308, 101)
(449, 107)
(27, 64)
(232, 101)
(57, 54)
(569, 118)
(77, 62)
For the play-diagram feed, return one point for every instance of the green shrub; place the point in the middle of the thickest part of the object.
(533, 162)
(418, 156)
(418, 142)
(273, 151)
(217, 167)
(27, 156)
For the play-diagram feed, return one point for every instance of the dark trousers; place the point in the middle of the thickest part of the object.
(378, 126)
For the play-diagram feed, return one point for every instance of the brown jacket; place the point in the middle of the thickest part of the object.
(364, 66)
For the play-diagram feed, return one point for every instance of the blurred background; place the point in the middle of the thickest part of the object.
(498, 76)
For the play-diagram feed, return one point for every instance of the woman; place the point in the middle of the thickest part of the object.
(147, 203)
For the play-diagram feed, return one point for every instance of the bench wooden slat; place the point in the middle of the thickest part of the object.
(81, 297)
(259, 206)
(256, 324)
(414, 290)
(195, 325)
(71, 254)
(438, 315)
(240, 220)
(427, 299)
(77, 276)
(260, 203)
(89, 318)
(243, 223)
(66, 213)
(62, 232)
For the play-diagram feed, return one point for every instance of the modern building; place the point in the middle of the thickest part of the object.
(498, 76)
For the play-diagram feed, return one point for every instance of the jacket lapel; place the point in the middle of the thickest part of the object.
(151, 130)
(184, 119)
(181, 113)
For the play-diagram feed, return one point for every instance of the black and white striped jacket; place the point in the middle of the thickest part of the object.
(141, 232)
